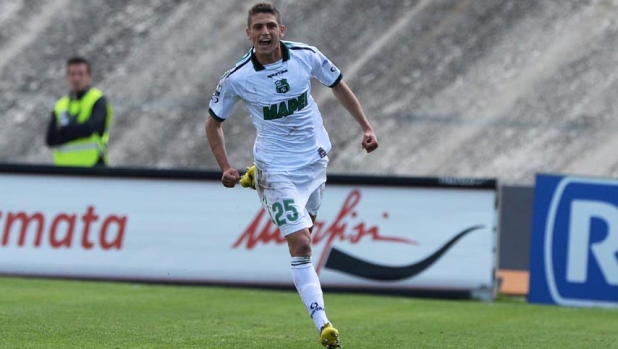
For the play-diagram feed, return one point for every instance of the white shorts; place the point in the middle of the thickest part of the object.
(290, 197)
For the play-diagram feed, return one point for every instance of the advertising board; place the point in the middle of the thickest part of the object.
(196, 231)
(574, 254)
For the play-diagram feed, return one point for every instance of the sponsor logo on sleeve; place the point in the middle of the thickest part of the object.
(216, 94)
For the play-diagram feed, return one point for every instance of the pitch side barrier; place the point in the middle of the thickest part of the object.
(402, 235)
(574, 250)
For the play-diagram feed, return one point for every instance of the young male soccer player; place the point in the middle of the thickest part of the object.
(291, 147)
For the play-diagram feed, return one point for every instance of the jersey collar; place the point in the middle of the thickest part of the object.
(285, 54)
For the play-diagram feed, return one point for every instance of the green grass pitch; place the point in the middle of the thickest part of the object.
(49, 314)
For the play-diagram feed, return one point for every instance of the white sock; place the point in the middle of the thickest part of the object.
(308, 286)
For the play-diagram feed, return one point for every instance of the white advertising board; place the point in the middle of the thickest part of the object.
(366, 236)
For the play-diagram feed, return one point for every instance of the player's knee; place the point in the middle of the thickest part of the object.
(303, 248)
(300, 244)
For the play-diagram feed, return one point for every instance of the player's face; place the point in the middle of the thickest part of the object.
(265, 33)
(78, 77)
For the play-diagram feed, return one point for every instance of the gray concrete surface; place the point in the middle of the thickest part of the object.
(474, 88)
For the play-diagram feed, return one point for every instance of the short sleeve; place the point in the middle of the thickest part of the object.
(223, 99)
(324, 70)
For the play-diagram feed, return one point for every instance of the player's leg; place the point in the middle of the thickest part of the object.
(305, 277)
(303, 272)
(329, 336)
(285, 197)
(309, 288)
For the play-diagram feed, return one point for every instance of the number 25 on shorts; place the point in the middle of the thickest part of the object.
(285, 208)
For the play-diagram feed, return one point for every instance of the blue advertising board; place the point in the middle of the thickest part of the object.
(574, 249)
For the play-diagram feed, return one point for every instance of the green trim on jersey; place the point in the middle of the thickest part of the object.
(245, 56)
(214, 116)
(285, 55)
(337, 81)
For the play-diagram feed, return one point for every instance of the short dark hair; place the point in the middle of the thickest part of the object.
(79, 60)
(263, 7)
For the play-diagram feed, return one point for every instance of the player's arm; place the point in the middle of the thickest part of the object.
(220, 106)
(216, 140)
(348, 99)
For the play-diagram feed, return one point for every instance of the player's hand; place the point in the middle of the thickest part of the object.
(370, 141)
(230, 178)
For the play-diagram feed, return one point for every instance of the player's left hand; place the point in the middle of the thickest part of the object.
(370, 141)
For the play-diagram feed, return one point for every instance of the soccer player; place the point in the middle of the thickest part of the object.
(291, 147)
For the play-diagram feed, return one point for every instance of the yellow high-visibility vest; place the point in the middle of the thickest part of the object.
(83, 151)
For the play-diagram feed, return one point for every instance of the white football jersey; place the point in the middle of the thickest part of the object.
(290, 129)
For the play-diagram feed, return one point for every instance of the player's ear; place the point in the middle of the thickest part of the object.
(282, 30)
(248, 33)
